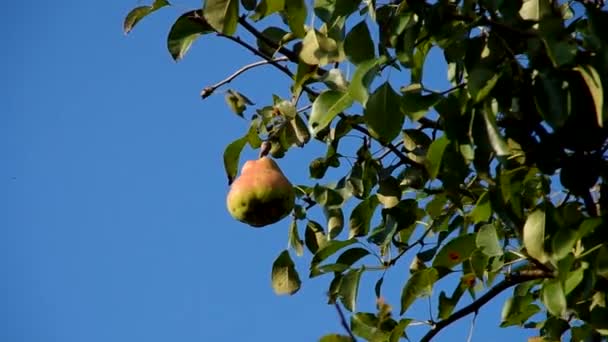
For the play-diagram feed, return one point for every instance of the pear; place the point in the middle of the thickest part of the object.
(261, 195)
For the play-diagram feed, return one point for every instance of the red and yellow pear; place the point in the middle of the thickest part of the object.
(261, 195)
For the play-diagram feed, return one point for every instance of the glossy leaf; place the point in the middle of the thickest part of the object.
(552, 98)
(138, 13)
(481, 81)
(285, 279)
(435, 155)
(325, 108)
(455, 251)
(594, 85)
(294, 238)
(222, 15)
(232, 154)
(349, 288)
(553, 297)
(487, 241)
(295, 13)
(362, 78)
(329, 249)
(358, 44)
(319, 49)
(419, 285)
(314, 237)
(360, 217)
(267, 7)
(498, 143)
(534, 235)
(383, 115)
(186, 29)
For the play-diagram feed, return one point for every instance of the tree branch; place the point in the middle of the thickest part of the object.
(207, 91)
(344, 323)
(283, 50)
(509, 281)
(255, 51)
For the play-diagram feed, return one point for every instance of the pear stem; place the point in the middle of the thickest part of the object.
(265, 149)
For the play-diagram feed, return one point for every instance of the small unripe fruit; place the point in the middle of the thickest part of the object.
(261, 195)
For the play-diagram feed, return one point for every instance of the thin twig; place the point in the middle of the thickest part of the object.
(406, 249)
(255, 51)
(343, 322)
(210, 89)
(283, 50)
(509, 281)
(472, 328)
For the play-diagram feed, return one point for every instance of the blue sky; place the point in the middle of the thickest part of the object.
(114, 225)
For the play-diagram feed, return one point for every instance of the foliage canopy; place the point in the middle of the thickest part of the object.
(499, 182)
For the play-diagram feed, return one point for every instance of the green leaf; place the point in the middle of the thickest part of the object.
(434, 156)
(325, 108)
(399, 330)
(248, 4)
(481, 81)
(231, 157)
(552, 98)
(273, 34)
(362, 78)
(455, 251)
(329, 249)
(594, 84)
(573, 280)
(361, 216)
(138, 13)
(419, 285)
(495, 137)
(335, 338)
(294, 238)
(349, 288)
(285, 279)
(296, 13)
(602, 262)
(335, 221)
(382, 114)
(184, 32)
(319, 49)
(389, 192)
(314, 237)
(300, 130)
(343, 262)
(479, 263)
(483, 209)
(267, 7)
(534, 10)
(222, 15)
(562, 242)
(366, 326)
(358, 44)
(487, 240)
(330, 10)
(534, 235)
(350, 256)
(553, 297)
(237, 102)
(414, 104)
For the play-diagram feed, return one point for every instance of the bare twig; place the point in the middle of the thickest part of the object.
(344, 323)
(509, 281)
(406, 249)
(283, 50)
(210, 89)
(472, 328)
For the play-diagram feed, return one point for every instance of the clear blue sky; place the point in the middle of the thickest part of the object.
(113, 222)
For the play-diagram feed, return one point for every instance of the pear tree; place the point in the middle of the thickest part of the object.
(495, 184)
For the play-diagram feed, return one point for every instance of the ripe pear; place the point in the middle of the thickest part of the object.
(261, 195)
